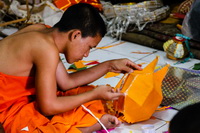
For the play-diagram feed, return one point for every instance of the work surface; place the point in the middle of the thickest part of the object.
(140, 55)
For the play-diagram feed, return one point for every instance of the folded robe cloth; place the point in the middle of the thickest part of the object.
(19, 113)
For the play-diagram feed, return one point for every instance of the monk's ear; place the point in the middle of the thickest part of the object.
(76, 34)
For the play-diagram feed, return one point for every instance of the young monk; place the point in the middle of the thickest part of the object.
(31, 73)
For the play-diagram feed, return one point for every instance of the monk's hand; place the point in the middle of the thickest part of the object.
(123, 66)
(106, 92)
(110, 121)
(114, 121)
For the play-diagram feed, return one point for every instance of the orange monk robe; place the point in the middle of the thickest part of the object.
(19, 113)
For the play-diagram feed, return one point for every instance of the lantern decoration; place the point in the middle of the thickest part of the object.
(143, 94)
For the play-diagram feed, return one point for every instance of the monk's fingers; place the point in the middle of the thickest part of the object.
(112, 90)
(114, 121)
(118, 90)
(115, 96)
(133, 66)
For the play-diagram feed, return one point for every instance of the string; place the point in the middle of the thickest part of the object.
(90, 112)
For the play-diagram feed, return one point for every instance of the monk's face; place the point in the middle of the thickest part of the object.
(81, 48)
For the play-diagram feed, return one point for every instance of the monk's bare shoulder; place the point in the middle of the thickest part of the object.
(26, 50)
(41, 41)
(30, 28)
(43, 46)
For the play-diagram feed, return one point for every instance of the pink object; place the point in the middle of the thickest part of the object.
(93, 63)
(104, 131)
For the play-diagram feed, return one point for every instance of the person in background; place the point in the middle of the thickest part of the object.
(31, 73)
(186, 120)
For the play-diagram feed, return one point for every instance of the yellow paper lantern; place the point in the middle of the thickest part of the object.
(143, 93)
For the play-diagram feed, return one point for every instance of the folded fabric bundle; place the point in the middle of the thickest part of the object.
(181, 87)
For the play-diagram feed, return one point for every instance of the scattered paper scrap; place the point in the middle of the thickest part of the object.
(92, 63)
(79, 64)
(139, 52)
(111, 74)
(110, 46)
(163, 108)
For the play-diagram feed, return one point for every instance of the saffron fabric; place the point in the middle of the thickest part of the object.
(19, 112)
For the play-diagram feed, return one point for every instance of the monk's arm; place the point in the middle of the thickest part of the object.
(46, 60)
(67, 81)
